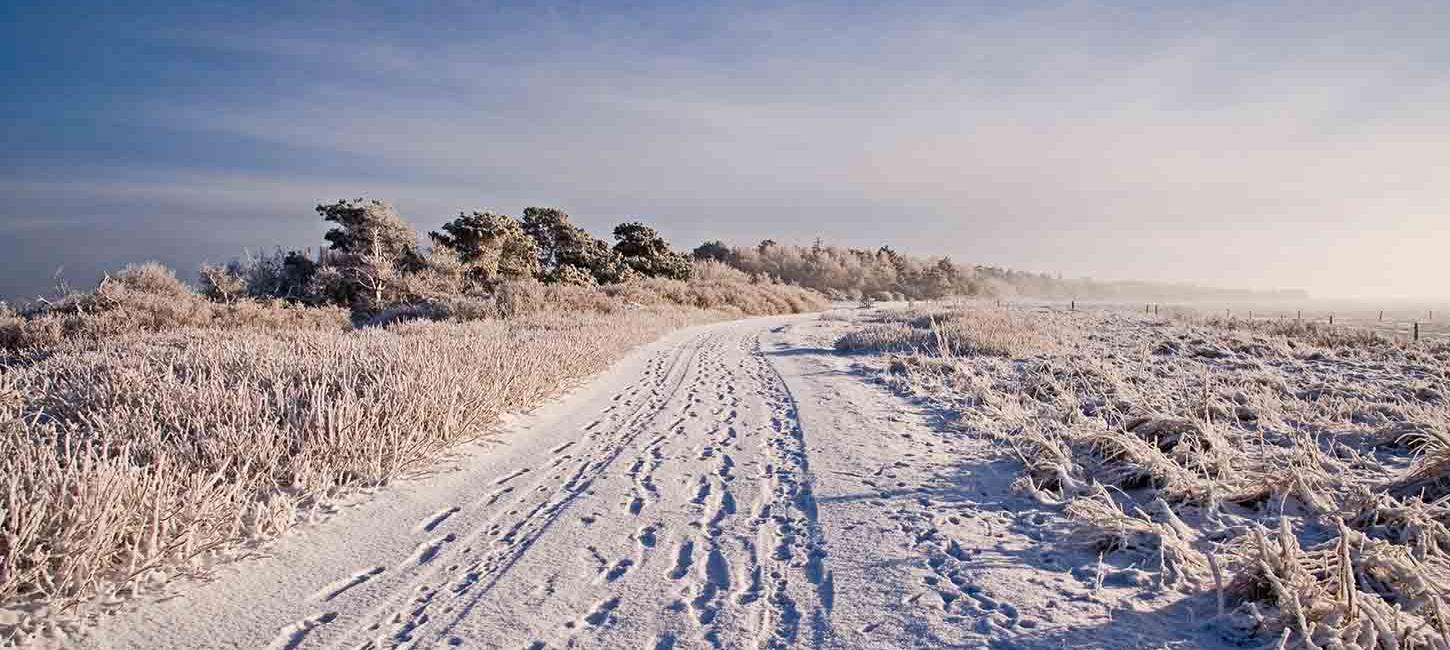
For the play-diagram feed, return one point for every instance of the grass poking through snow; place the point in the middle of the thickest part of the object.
(1298, 474)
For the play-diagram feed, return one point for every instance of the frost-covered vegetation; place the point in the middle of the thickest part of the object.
(1293, 478)
(885, 274)
(376, 268)
(479, 266)
(148, 427)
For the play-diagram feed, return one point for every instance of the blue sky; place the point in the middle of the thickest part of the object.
(1239, 144)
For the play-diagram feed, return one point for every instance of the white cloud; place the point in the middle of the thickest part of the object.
(1291, 145)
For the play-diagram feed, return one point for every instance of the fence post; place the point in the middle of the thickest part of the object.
(1073, 306)
(1417, 330)
(1382, 315)
(1331, 319)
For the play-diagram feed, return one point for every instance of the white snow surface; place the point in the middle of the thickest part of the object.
(734, 485)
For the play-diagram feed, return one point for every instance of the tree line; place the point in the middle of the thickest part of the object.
(374, 259)
(883, 273)
(849, 273)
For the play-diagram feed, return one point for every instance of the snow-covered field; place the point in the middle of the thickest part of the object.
(734, 485)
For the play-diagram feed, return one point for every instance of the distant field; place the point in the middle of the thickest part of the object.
(1393, 319)
(1288, 483)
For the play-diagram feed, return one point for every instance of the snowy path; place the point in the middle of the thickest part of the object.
(730, 486)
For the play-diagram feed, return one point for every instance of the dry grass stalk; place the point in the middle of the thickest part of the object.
(1220, 429)
(951, 334)
(1429, 477)
(1423, 527)
(144, 431)
(1102, 525)
(1350, 591)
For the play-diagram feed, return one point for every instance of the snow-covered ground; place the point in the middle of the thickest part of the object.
(735, 485)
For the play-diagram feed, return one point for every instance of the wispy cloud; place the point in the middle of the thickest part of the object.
(1242, 144)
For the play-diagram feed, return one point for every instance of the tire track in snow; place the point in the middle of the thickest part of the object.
(688, 487)
(455, 587)
(798, 587)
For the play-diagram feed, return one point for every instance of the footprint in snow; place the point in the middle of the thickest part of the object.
(436, 519)
(618, 570)
(646, 536)
(337, 588)
(293, 635)
(683, 560)
(601, 612)
(429, 549)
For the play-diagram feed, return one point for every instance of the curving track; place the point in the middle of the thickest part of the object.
(735, 485)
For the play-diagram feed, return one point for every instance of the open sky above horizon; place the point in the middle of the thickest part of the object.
(1254, 145)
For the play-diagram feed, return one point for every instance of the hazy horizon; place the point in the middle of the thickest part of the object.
(1242, 145)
